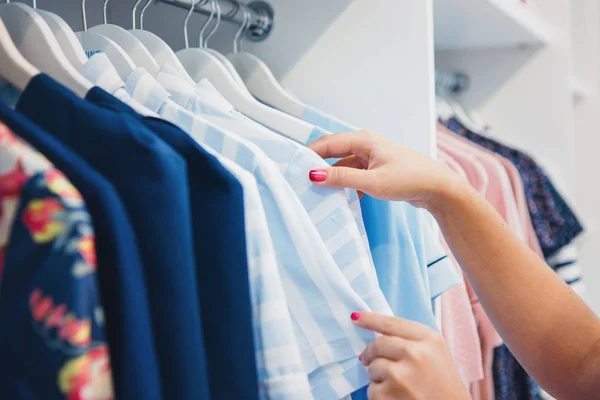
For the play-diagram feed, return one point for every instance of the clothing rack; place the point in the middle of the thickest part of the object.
(451, 82)
(262, 14)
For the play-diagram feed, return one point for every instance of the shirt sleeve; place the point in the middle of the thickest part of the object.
(442, 275)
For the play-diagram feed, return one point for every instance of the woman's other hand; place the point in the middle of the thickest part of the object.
(409, 361)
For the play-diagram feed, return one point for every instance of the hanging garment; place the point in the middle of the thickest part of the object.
(119, 272)
(49, 297)
(326, 335)
(556, 226)
(329, 209)
(459, 327)
(151, 180)
(221, 270)
(100, 71)
(204, 100)
(408, 286)
(555, 223)
(280, 372)
(404, 282)
(473, 165)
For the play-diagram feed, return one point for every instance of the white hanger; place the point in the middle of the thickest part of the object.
(224, 60)
(263, 85)
(37, 44)
(13, 67)
(261, 82)
(463, 116)
(157, 47)
(128, 42)
(443, 110)
(201, 64)
(93, 43)
(66, 38)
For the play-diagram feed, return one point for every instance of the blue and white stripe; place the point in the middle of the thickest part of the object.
(280, 369)
(319, 296)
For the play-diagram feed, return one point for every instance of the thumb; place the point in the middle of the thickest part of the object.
(342, 177)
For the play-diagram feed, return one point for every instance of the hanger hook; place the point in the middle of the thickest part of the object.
(83, 15)
(134, 12)
(144, 12)
(246, 21)
(214, 29)
(104, 9)
(185, 23)
(213, 8)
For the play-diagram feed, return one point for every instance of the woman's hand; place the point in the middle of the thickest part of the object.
(410, 361)
(381, 168)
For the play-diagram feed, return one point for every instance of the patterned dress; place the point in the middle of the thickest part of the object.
(52, 343)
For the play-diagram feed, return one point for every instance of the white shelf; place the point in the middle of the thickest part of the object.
(484, 24)
(579, 89)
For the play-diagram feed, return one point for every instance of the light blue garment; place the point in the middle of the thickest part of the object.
(341, 229)
(280, 371)
(411, 265)
(319, 296)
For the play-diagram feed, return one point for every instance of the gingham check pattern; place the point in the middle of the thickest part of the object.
(319, 296)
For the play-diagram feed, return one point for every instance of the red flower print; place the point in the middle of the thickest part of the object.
(12, 182)
(55, 318)
(87, 249)
(75, 331)
(41, 219)
(41, 308)
(87, 377)
(59, 184)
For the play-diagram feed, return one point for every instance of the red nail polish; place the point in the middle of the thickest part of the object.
(360, 357)
(317, 175)
(355, 316)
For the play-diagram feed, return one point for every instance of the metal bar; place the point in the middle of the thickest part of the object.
(451, 82)
(262, 16)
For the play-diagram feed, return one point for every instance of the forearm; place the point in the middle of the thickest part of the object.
(546, 325)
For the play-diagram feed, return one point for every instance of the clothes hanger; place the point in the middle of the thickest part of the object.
(157, 47)
(65, 37)
(13, 66)
(35, 41)
(463, 116)
(128, 42)
(262, 84)
(443, 110)
(224, 60)
(93, 43)
(201, 64)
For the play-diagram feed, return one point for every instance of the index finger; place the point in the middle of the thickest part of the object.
(341, 145)
(393, 326)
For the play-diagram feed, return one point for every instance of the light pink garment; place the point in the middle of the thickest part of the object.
(458, 321)
(522, 206)
(499, 192)
(518, 192)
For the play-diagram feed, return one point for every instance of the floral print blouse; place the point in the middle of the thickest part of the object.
(52, 343)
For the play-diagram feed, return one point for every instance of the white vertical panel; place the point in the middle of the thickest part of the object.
(372, 66)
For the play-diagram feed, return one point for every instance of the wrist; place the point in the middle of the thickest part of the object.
(451, 192)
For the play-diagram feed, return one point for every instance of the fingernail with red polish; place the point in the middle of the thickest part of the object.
(355, 316)
(318, 175)
(360, 357)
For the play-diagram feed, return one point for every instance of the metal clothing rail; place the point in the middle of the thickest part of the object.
(262, 15)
